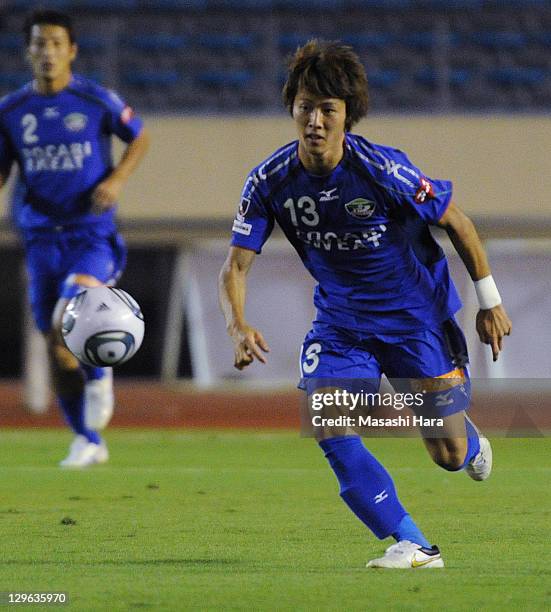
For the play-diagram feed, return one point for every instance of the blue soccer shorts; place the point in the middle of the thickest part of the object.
(433, 361)
(52, 258)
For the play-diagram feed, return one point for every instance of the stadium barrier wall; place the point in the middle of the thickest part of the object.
(197, 165)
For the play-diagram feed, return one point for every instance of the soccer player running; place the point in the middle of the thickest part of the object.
(57, 130)
(358, 215)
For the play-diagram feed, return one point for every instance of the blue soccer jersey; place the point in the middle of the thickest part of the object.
(362, 231)
(62, 145)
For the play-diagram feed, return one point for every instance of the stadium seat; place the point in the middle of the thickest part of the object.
(157, 41)
(237, 79)
(110, 5)
(219, 42)
(242, 4)
(420, 40)
(382, 4)
(289, 41)
(192, 5)
(368, 40)
(31, 4)
(499, 39)
(515, 75)
(90, 43)
(11, 42)
(311, 4)
(384, 78)
(151, 79)
(449, 5)
(13, 80)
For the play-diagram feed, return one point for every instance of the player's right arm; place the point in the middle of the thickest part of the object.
(248, 342)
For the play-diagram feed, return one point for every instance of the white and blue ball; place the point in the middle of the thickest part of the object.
(103, 326)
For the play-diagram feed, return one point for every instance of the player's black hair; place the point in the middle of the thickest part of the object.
(328, 69)
(48, 17)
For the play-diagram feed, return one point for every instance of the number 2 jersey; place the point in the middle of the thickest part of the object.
(362, 231)
(62, 145)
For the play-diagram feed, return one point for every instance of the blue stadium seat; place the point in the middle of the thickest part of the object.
(242, 42)
(382, 4)
(13, 80)
(110, 5)
(368, 40)
(457, 77)
(90, 43)
(452, 4)
(384, 78)
(242, 4)
(311, 4)
(289, 41)
(420, 40)
(215, 78)
(516, 76)
(11, 42)
(504, 39)
(157, 41)
(460, 76)
(543, 38)
(96, 76)
(192, 5)
(31, 4)
(152, 79)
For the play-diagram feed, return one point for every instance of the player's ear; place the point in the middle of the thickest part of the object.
(74, 51)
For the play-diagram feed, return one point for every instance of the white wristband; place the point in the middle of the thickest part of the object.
(487, 293)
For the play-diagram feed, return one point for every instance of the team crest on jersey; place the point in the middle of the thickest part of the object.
(75, 122)
(127, 114)
(360, 208)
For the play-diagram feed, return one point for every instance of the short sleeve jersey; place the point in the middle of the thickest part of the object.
(62, 146)
(362, 231)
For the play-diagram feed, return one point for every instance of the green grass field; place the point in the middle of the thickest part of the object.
(229, 520)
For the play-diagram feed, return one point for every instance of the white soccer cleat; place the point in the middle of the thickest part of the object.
(407, 555)
(99, 401)
(480, 467)
(83, 453)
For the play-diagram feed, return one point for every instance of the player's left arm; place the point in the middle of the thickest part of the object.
(492, 321)
(107, 192)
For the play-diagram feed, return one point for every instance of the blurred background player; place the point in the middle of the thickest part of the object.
(58, 129)
(358, 213)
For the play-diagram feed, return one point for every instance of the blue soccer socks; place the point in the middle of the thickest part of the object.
(365, 485)
(408, 530)
(473, 442)
(73, 409)
(92, 373)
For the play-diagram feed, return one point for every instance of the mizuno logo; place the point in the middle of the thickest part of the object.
(380, 496)
(444, 399)
(50, 112)
(327, 195)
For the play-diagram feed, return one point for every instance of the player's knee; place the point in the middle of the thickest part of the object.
(61, 359)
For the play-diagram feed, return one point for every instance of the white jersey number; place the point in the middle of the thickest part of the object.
(307, 206)
(29, 125)
(311, 358)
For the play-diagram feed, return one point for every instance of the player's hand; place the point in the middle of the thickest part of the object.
(492, 325)
(248, 344)
(106, 194)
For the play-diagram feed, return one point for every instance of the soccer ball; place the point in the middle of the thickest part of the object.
(103, 326)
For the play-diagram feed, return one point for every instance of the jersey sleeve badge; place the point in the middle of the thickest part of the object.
(424, 192)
